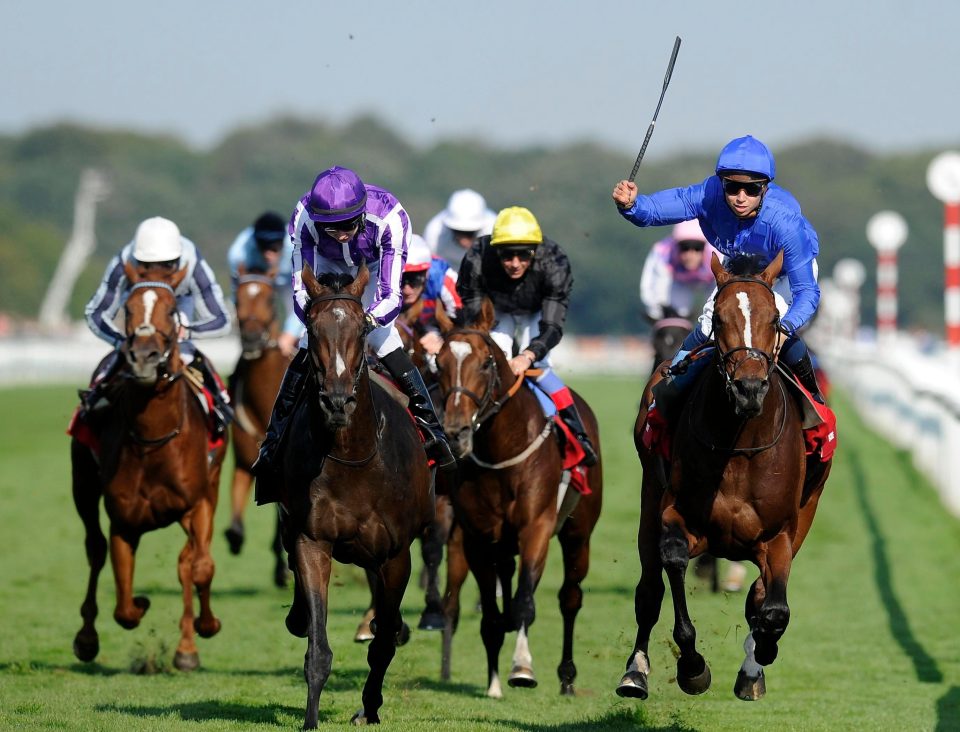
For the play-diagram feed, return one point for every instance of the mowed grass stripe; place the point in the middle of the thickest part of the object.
(872, 642)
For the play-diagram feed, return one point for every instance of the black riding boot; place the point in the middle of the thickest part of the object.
(264, 466)
(408, 378)
(803, 370)
(571, 418)
(223, 413)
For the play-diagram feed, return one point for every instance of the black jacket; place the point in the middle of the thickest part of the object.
(545, 288)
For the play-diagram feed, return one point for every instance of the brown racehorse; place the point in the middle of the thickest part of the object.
(154, 469)
(254, 384)
(356, 488)
(507, 500)
(738, 484)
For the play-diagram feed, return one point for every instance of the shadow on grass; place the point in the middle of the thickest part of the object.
(948, 710)
(88, 669)
(621, 717)
(276, 714)
(436, 685)
(924, 664)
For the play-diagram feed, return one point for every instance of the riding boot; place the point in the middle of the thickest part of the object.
(264, 467)
(410, 380)
(223, 413)
(803, 370)
(571, 418)
(95, 399)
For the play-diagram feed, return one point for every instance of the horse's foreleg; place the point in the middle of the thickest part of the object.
(774, 613)
(534, 541)
(431, 546)
(313, 577)
(479, 557)
(129, 609)
(576, 563)
(186, 657)
(648, 598)
(239, 497)
(693, 674)
(457, 571)
(391, 583)
(86, 498)
(200, 526)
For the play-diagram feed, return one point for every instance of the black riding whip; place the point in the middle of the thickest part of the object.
(666, 82)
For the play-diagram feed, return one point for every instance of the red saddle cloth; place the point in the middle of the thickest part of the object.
(820, 438)
(573, 455)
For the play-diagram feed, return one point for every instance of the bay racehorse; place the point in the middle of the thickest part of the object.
(666, 336)
(506, 502)
(738, 483)
(254, 387)
(153, 467)
(356, 486)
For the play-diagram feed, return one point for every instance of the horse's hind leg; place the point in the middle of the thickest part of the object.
(576, 562)
(391, 583)
(492, 629)
(280, 571)
(432, 542)
(239, 495)
(693, 674)
(365, 630)
(86, 498)
(312, 570)
(457, 571)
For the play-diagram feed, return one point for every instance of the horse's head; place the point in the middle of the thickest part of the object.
(152, 323)
(336, 335)
(256, 311)
(746, 330)
(668, 335)
(470, 366)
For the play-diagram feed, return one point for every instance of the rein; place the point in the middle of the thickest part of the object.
(750, 451)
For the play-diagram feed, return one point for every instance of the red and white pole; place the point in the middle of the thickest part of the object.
(943, 180)
(886, 231)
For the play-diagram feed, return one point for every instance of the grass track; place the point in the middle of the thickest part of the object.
(873, 642)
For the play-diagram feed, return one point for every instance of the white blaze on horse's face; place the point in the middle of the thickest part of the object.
(253, 289)
(744, 300)
(339, 314)
(149, 302)
(460, 351)
(339, 364)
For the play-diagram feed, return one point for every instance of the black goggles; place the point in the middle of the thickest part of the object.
(691, 245)
(752, 188)
(524, 255)
(413, 279)
(342, 226)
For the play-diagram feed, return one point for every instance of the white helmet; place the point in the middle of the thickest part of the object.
(466, 211)
(157, 240)
(418, 255)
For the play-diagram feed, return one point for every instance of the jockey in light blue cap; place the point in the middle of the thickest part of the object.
(742, 211)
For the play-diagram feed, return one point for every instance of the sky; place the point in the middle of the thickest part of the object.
(510, 73)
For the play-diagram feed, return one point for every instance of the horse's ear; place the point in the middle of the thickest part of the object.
(359, 283)
(443, 320)
(773, 269)
(131, 272)
(718, 271)
(314, 289)
(177, 278)
(487, 317)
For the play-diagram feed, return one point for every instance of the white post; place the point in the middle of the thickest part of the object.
(943, 180)
(886, 231)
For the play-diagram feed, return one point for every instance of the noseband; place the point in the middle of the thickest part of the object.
(752, 353)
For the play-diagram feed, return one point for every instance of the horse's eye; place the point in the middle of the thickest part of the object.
(487, 363)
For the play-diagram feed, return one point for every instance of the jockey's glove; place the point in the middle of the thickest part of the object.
(369, 323)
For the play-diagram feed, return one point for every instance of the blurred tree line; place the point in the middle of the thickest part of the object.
(213, 194)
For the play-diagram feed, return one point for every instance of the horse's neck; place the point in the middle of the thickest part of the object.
(518, 411)
(719, 410)
(157, 411)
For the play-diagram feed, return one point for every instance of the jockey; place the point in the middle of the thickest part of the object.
(527, 276)
(264, 247)
(429, 278)
(160, 248)
(676, 274)
(337, 224)
(742, 211)
(450, 233)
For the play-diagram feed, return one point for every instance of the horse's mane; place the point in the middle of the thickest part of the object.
(746, 264)
(336, 281)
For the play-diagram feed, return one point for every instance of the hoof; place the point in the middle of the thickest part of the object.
(206, 630)
(566, 689)
(140, 606)
(522, 677)
(186, 661)
(749, 689)
(432, 620)
(403, 635)
(633, 685)
(86, 648)
(235, 537)
(696, 684)
(367, 628)
(360, 718)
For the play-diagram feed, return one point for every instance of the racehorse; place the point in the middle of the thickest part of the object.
(153, 468)
(254, 386)
(737, 484)
(666, 336)
(356, 487)
(506, 503)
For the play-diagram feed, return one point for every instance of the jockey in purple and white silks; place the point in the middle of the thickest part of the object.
(159, 246)
(676, 275)
(742, 211)
(338, 224)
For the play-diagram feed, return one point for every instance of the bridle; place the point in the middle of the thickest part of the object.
(148, 329)
(319, 368)
(726, 357)
(251, 351)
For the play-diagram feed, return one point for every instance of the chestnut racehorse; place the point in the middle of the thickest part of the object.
(511, 468)
(153, 469)
(738, 484)
(254, 387)
(356, 486)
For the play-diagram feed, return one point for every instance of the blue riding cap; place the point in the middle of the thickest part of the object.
(747, 155)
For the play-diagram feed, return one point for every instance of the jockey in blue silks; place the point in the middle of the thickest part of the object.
(742, 211)
(338, 224)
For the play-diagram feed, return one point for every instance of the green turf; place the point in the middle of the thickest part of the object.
(873, 642)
